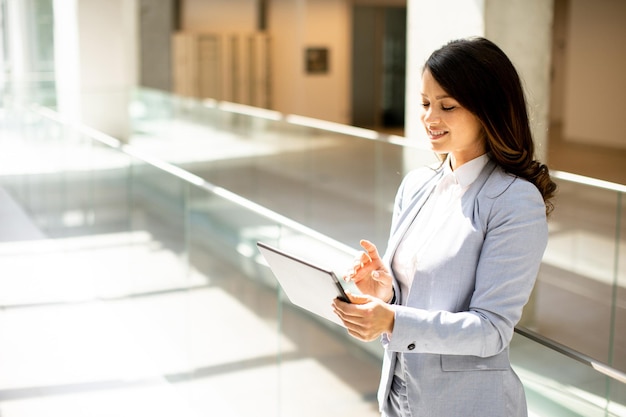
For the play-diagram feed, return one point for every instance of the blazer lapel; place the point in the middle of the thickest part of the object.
(417, 202)
(406, 218)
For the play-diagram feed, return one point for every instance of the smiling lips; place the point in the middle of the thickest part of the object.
(436, 134)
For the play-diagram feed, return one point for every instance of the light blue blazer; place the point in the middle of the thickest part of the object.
(452, 336)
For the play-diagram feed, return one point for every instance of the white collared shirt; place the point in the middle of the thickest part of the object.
(445, 198)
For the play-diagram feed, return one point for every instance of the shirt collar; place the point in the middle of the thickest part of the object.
(467, 173)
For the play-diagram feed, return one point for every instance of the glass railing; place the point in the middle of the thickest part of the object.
(133, 268)
(583, 275)
(317, 173)
(313, 172)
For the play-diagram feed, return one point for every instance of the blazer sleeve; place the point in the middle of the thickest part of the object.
(515, 237)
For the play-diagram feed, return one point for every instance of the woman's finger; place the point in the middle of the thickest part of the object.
(371, 250)
(362, 259)
(350, 319)
(358, 299)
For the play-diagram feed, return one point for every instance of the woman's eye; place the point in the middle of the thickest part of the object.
(425, 105)
(447, 108)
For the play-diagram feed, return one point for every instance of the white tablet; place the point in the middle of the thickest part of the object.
(308, 286)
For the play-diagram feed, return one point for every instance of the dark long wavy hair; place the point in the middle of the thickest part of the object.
(479, 75)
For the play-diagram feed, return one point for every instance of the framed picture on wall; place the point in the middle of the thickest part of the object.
(316, 60)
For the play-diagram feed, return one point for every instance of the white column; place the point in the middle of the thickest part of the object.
(522, 28)
(431, 24)
(66, 59)
(96, 61)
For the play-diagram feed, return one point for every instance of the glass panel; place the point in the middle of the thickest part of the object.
(61, 186)
(159, 225)
(27, 52)
(557, 385)
(270, 344)
(618, 353)
(617, 398)
(314, 176)
(574, 296)
(234, 337)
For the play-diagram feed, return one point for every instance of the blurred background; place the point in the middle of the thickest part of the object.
(146, 145)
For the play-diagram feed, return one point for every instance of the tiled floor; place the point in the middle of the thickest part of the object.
(110, 324)
(608, 164)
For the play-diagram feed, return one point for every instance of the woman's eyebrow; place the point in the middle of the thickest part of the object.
(438, 97)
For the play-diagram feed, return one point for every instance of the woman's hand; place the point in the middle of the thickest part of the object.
(369, 273)
(366, 318)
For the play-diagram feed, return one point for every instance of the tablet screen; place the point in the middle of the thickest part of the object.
(308, 286)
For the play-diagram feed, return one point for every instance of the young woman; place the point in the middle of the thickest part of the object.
(466, 242)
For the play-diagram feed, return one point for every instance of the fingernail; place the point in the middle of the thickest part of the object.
(375, 274)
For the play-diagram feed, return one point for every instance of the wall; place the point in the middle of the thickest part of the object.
(155, 32)
(595, 57)
(557, 82)
(231, 15)
(295, 25)
(367, 62)
(292, 25)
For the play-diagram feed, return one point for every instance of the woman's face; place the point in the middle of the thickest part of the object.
(451, 128)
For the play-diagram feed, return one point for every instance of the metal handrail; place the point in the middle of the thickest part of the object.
(601, 367)
(592, 182)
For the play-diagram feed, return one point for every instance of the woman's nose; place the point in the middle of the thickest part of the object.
(430, 115)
